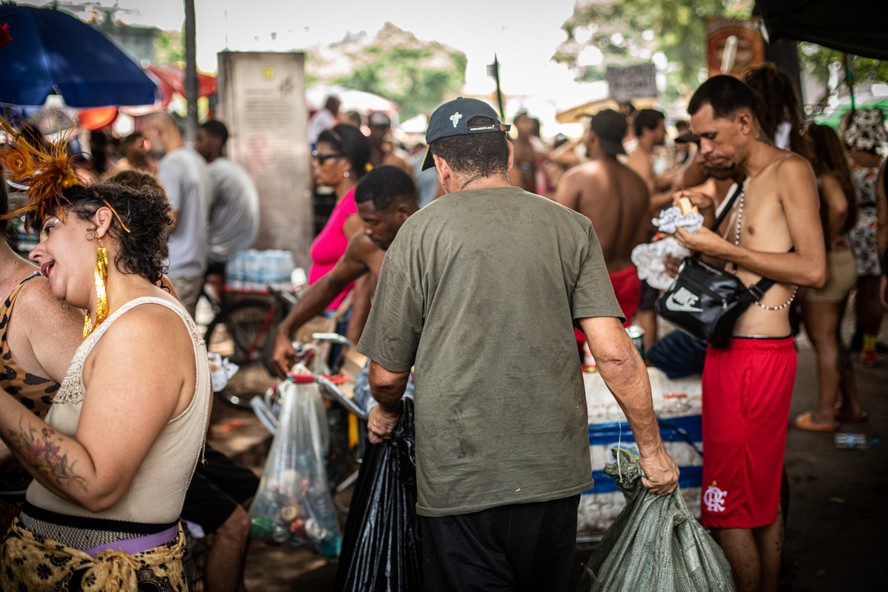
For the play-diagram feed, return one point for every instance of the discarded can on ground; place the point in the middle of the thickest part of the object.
(851, 441)
(636, 334)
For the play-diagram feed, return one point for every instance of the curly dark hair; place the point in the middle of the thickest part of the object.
(485, 154)
(146, 213)
(348, 141)
(136, 180)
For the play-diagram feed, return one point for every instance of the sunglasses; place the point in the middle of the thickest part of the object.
(322, 158)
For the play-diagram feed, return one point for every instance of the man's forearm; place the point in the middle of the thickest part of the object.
(792, 268)
(625, 375)
(628, 380)
(312, 303)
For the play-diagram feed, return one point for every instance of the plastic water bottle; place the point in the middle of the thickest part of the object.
(850, 441)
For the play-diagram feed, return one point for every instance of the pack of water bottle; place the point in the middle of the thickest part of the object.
(256, 270)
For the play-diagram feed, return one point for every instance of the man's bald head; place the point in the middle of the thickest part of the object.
(161, 131)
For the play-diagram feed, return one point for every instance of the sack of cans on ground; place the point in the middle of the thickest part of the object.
(654, 544)
(293, 504)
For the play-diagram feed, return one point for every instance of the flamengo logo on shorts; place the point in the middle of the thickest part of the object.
(714, 498)
(683, 300)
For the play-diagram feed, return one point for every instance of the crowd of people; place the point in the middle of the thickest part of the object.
(429, 251)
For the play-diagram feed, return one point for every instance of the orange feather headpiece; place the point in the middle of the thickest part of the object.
(44, 172)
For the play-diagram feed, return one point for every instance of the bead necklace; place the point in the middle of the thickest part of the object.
(737, 227)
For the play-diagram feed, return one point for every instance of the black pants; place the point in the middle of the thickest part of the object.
(216, 489)
(516, 548)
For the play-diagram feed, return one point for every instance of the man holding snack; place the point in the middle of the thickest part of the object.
(747, 387)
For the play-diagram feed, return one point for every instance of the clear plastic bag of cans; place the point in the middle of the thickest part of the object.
(294, 504)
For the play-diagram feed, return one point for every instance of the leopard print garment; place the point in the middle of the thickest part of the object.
(32, 391)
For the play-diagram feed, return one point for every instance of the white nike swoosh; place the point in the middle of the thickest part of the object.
(677, 307)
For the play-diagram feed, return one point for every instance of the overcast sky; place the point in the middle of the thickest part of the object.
(524, 34)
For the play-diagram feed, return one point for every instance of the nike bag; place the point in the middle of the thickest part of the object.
(293, 503)
(706, 302)
(654, 544)
(381, 547)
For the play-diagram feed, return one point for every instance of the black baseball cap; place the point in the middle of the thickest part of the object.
(452, 119)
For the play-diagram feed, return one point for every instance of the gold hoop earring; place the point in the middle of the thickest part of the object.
(100, 274)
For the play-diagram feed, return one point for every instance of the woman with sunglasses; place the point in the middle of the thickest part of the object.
(340, 160)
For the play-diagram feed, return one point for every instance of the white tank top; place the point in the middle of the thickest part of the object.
(158, 489)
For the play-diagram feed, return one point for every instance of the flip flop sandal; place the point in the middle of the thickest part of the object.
(805, 422)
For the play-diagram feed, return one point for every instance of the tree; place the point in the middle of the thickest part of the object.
(604, 33)
(169, 48)
(417, 75)
(816, 60)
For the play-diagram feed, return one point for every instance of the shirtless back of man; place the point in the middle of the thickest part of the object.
(524, 163)
(615, 199)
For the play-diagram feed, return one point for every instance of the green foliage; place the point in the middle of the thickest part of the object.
(632, 31)
(816, 59)
(169, 48)
(416, 78)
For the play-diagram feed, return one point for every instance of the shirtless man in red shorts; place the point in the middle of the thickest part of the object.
(747, 387)
(615, 199)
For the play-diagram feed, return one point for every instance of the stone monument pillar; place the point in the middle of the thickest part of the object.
(262, 101)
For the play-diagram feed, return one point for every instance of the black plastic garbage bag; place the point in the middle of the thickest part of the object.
(381, 547)
(654, 544)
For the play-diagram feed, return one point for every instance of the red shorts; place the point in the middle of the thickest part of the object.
(747, 390)
(627, 288)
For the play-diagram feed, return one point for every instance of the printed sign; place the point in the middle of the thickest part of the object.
(627, 83)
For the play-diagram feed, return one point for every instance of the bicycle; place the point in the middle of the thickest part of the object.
(242, 328)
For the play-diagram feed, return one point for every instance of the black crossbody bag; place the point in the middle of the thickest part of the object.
(706, 302)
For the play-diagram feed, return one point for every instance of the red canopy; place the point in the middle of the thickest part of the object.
(172, 81)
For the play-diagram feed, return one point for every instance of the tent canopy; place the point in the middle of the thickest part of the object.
(852, 27)
(51, 52)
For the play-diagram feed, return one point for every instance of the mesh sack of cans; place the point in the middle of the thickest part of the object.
(293, 503)
(654, 544)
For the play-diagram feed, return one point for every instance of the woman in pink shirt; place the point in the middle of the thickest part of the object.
(340, 160)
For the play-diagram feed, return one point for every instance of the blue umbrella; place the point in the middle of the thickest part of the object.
(53, 52)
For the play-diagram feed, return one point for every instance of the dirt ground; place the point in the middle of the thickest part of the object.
(836, 527)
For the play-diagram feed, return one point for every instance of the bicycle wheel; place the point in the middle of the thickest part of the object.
(237, 333)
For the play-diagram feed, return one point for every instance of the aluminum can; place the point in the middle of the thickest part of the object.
(289, 513)
(636, 334)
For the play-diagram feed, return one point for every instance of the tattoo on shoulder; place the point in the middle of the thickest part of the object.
(43, 451)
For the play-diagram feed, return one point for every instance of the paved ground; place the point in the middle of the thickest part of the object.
(837, 519)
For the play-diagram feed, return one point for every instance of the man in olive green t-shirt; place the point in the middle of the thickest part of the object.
(478, 294)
